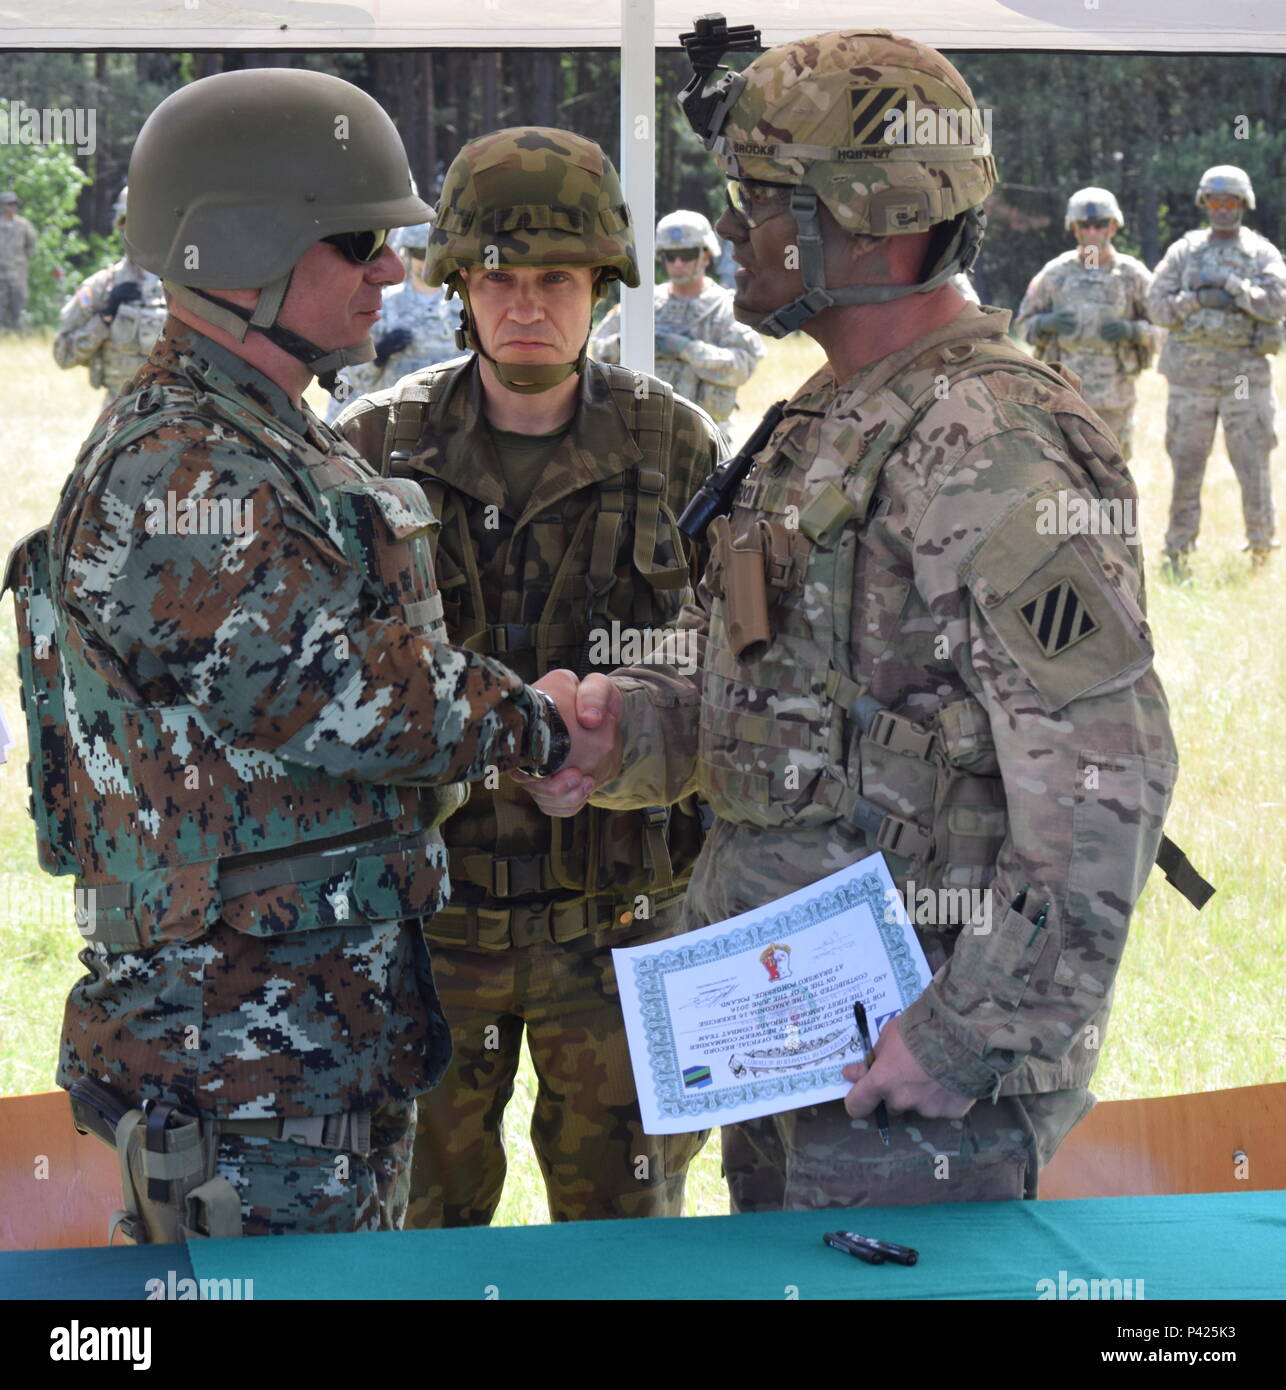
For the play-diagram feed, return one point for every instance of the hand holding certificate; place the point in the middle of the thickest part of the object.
(754, 1015)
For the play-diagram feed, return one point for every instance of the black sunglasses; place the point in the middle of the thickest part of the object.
(1097, 223)
(687, 254)
(361, 247)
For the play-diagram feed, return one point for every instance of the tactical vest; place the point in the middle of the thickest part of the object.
(130, 338)
(167, 827)
(1096, 297)
(1211, 262)
(598, 862)
(789, 734)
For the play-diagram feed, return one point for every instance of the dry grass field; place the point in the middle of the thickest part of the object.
(1199, 997)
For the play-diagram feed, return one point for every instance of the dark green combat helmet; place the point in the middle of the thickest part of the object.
(235, 176)
(530, 196)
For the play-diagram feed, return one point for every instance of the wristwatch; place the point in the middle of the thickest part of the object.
(560, 741)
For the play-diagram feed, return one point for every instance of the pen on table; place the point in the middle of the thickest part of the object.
(881, 1113)
(1040, 922)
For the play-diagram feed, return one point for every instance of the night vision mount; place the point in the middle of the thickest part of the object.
(705, 45)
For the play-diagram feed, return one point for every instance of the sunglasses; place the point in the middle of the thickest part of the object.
(756, 202)
(687, 254)
(1096, 223)
(361, 247)
(1228, 204)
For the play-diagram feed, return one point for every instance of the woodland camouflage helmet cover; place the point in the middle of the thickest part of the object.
(880, 129)
(530, 196)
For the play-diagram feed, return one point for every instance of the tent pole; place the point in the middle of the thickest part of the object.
(638, 174)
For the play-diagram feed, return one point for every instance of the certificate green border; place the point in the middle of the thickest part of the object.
(649, 980)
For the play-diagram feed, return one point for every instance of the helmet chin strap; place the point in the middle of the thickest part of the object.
(233, 319)
(525, 379)
(959, 254)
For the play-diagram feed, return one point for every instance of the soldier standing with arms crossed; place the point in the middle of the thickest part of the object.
(557, 480)
(17, 245)
(940, 678)
(245, 735)
(1221, 291)
(112, 321)
(701, 349)
(1087, 309)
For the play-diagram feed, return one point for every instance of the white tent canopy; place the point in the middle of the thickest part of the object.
(1167, 26)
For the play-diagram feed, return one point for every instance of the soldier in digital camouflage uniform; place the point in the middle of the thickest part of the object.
(942, 678)
(557, 479)
(248, 719)
(1221, 291)
(112, 322)
(417, 328)
(17, 246)
(701, 349)
(1087, 309)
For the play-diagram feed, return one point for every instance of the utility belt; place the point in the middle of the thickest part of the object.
(527, 922)
(168, 1156)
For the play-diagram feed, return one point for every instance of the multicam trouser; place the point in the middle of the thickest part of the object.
(1250, 436)
(289, 1188)
(13, 302)
(819, 1157)
(589, 1139)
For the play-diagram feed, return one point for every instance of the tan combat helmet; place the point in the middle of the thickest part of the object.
(235, 176)
(1229, 181)
(530, 196)
(1092, 202)
(881, 129)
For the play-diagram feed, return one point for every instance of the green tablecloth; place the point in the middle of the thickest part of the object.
(1221, 1245)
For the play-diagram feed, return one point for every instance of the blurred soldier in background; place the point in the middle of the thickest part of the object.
(112, 321)
(17, 245)
(701, 349)
(557, 481)
(1087, 309)
(417, 326)
(1221, 291)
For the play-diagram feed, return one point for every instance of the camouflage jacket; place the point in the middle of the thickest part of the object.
(720, 354)
(286, 698)
(1209, 348)
(1011, 663)
(17, 245)
(517, 585)
(113, 352)
(1116, 289)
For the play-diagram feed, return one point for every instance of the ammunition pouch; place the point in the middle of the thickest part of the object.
(751, 572)
(1267, 338)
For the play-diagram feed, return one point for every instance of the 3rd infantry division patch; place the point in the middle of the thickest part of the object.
(1058, 618)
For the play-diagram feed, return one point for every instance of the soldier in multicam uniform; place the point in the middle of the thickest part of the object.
(1087, 309)
(701, 349)
(938, 712)
(17, 245)
(417, 328)
(247, 718)
(112, 322)
(1221, 291)
(557, 480)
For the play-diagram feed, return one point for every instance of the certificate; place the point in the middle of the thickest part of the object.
(754, 1015)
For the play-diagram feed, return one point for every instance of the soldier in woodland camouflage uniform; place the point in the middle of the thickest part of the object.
(557, 480)
(943, 677)
(17, 245)
(1087, 309)
(112, 322)
(246, 722)
(417, 328)
(1221, 291)
(701, 349)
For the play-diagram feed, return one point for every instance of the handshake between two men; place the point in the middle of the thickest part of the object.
(591, 709)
